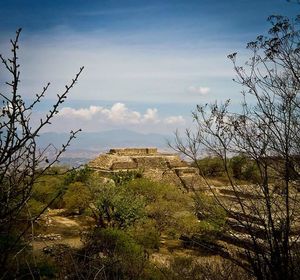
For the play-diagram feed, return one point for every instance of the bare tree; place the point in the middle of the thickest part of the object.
(21, 161)
(263, 218)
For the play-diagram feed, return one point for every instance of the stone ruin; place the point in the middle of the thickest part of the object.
(169, 168)
(166, 167)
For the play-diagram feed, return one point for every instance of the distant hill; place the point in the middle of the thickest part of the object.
(88, 145)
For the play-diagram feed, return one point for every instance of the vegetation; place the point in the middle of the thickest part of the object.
(266, 130)
(131, 217)
(21, 161)
(253, 208)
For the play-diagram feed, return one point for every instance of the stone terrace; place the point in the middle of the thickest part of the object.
(153, 164)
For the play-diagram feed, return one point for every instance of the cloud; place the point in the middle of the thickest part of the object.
(151, 116)
(200, 90)
(82, 113)
(177, 120)
(118, 113)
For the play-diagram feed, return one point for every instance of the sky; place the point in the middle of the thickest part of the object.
(147, 63)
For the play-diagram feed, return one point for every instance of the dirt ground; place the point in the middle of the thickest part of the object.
(56, 228)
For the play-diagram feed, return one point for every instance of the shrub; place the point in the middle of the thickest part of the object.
(146, 234)
(47, 188)
(188, 268)
(118, 207)
(123, 177)
(78, 175)
(34, 208)
(237, 165)
(171, 210)
(243, 168)
(121, 256)
(211, 167)
(77, 198)
(212, 217)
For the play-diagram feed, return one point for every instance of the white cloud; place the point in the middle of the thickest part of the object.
(118, 115)
(175, 120)
(151, 115)
(200, 90)
(82, 113)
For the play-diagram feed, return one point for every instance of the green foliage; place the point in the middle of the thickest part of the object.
(152, 191)
(237, 165)
(34, 208)
(212, 217)
(243, 168)
(166, 205)
(117, 206)
(187, 223)
(146, 234)
(47, 188)
(57, 184)
(78, 175)
(211, 167)
(122, 257)
(77, 198)
(123, 177)
(115, 242)
(251, 173)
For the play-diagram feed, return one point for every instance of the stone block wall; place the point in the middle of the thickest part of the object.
(124, 165)
(133, 151)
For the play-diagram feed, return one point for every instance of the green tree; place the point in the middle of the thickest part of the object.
(47, 188)
(115, 206)
(82, 175)
(165, 204)
(211, 167)
(77, 198)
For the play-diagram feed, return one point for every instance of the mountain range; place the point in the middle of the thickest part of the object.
(88, 145)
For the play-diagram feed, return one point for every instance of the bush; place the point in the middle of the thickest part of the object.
(211, 167)
(47, 188)
(78, 175)
(171, 210)
(123, 177)
(237, 165)
(121, 256)
(243, 168)
(116, 206)
(188, 268)
(146, 234)
(212, 217)
(77, 198)
(34, 208)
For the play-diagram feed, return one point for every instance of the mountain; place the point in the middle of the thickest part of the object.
(89, 144)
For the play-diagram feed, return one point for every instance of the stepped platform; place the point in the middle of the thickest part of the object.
(151, 163)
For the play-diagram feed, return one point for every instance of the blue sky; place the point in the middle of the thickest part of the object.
(147, 63)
